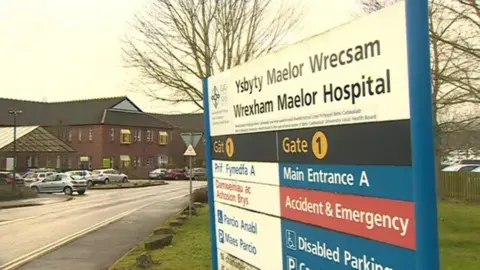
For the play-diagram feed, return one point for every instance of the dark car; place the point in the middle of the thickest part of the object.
(7, 178)
(175, 174)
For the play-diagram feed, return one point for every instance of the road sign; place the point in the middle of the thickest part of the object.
(301, 141)
(191, 138)
(190, 152)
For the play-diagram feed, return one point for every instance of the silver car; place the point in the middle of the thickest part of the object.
(106, 176)
(60, 182)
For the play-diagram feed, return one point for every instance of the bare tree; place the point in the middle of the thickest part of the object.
(454, 41)
(179, 42)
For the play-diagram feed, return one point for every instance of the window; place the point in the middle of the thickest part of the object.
(163, 160)
(149, 135)
(467, 168)
(125, 136)
(69, 163)
(162, 137)
(79, 134)
(48, 162)
(36, 160)
(112, 134)
(69, 135)
(148, 162)
(29, 161)
(139, 135)
(137, 162)
(124, 161)
(90, 134)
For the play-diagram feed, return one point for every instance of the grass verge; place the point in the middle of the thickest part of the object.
(130, 185)
(459, 227)
(190, 248)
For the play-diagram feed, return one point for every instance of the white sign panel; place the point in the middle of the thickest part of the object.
(257, 197)
(258, 172)
(250, 236)
(339, 77)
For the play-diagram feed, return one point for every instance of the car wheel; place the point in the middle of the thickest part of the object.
(89, 184)
(195, 178)
(81, 192)
(36, 189)
(124, 180)
(106, 181)
(68, 191)
(177, 177)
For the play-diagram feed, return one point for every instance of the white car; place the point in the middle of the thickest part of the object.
(461, 168)
(35, 177)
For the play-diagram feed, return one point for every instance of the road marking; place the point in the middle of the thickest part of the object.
(16, 263)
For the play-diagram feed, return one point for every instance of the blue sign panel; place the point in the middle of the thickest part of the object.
(312, 248)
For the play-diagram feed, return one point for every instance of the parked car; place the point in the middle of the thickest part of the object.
(157, 174)
(460, 168)
(106, 176)
(175, 174)
(36, 177)
(82, 174)
(7, 178)
(197, 173)
(60, 182)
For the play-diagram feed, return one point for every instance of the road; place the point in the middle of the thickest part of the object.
(29, 232)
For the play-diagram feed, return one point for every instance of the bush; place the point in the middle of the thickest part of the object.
(7, 194)
(200, 195)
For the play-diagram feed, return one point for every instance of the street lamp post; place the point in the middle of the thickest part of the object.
(14, 112)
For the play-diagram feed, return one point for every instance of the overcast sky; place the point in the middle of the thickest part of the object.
(70, 49)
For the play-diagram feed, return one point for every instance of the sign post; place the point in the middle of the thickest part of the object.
(191, 140)
(323, 151)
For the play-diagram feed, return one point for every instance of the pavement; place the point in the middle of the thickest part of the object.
(42, 199)
(89, 232)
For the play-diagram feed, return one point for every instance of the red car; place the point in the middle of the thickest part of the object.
(7, 178)
(175, 174)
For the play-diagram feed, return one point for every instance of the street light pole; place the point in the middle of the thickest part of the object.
(14, 113)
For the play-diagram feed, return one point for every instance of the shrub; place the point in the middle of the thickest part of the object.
(7, 194)
(200, 195)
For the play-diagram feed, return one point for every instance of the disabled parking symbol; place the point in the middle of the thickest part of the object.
(220, 216)
(291, 239)
(221, 236)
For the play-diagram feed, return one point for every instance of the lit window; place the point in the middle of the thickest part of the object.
(124, 161)
(162, 138)
(79, 134)
(139, 135)
(125, 136)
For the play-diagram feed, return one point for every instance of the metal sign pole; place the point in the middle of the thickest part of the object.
(191, 171)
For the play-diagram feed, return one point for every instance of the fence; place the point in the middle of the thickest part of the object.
(463, 186)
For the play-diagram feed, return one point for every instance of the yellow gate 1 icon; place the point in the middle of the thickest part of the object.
(229, 147)
(319, 145)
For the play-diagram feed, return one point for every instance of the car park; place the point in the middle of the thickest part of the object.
(157, 174)
(106, 176)
(60, 182)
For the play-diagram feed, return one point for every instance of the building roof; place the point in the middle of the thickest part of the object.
(188, 121)
(31, 139)
(114, 117)
(76, 112)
